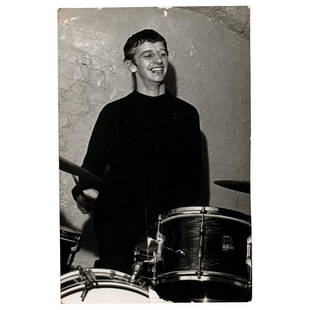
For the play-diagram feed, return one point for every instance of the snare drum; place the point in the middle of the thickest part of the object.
(108, 286)
(204, 255)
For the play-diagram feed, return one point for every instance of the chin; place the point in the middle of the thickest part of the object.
(158, 79)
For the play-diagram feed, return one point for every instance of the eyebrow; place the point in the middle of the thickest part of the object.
(147, 51)
(151, 51)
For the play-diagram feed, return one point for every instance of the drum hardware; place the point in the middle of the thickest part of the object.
(136, 270)
(158, 254)
(89, 280)
(201, 234)
(152, 259)
(160, 244)
(69, 246)
(142, 255)
(249, 251)
(249, 260)
(112, 274)
(179, 252)
(159, 240)
(73, 250)
(144, 258)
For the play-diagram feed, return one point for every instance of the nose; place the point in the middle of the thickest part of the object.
(158, 58)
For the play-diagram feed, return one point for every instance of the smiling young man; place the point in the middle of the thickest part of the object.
(146, 148)
(149, 63)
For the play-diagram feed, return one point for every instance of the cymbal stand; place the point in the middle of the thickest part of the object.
(156, 256)
(160, 240)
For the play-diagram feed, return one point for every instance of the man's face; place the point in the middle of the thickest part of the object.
(150, 62)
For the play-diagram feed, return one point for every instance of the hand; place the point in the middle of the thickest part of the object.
(90, 193)
(86, 201)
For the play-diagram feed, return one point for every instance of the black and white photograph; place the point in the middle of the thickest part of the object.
(154, 154)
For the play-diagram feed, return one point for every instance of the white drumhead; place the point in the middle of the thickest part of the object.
(113, 287)
(106, 295)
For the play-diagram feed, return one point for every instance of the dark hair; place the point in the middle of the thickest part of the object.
(146, 35)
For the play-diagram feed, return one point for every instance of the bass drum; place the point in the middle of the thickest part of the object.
(204, 255)
(110, 286)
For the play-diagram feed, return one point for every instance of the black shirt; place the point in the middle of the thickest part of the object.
(147, 150)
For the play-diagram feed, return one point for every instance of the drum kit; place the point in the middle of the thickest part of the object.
(199, 254)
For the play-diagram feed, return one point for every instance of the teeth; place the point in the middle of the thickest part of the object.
(157, 69)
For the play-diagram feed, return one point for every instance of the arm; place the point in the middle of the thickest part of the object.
(98, 155)
(193, 150)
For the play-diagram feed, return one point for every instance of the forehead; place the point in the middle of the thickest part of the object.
(148, 46)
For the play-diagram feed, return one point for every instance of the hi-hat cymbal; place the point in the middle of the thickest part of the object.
(70, 167)
(240, 186)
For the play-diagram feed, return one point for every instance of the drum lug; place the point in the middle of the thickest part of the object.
(89, 279)
(112, 274)
(249, 258)
(201, 235)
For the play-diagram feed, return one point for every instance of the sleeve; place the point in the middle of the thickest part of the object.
(100, 149)
(193, 150)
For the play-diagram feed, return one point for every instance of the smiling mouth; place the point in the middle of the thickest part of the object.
(157, 69)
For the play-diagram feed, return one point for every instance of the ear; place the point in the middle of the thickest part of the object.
(130, 65)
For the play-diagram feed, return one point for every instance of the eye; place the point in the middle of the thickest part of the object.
(147, 56)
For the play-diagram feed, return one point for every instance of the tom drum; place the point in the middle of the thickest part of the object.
(204, 255)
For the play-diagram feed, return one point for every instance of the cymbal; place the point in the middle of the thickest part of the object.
(70, 167)
(240, 186)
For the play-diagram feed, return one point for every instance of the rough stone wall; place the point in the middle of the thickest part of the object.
(209, 67)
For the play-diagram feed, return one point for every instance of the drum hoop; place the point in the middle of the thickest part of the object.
(68, 230)
(78, 287)
(97, 271)
(173, 217)
(196, 210)
(75, 240)
(113, 279)
(205, 276)
(70, 235)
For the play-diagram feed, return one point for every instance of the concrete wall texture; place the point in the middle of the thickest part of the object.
(209, 67)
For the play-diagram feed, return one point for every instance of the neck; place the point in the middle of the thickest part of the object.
(151, 90)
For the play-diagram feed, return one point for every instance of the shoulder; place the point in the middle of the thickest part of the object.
(112, 109)
(183, 106)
